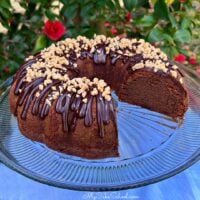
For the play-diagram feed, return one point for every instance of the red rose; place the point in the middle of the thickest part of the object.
(114, 31)
(193, 61)
(54, 30)
(107, 24)
(128, 17)
(180, 58)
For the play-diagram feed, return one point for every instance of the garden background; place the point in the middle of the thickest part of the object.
(27, 26)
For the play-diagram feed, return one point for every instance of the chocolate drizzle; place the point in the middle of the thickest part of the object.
(105, 113)
(88, 113)
(70, 106)
(85, 54)
(37, 107)
(115, 58)
(70, 115)
(62, 107)
(100, 56)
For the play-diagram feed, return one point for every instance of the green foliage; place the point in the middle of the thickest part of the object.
(130, 4)
(182, 35)
(161, 10)
(168, 24)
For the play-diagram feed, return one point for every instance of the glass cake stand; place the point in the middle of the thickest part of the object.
(152, 148)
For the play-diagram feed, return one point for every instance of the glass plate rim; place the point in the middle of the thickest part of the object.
(109, 187)
(17, 168)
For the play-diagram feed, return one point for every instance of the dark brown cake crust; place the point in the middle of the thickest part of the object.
(155, 84)
(155, 91)
(83, 142)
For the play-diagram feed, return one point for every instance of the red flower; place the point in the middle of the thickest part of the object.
(107, 24)
(193, 61)
(128, 17)
(182, 1)
(10, 21)
(54, 30)
(6, 69)
(180, 58)
(114, 31)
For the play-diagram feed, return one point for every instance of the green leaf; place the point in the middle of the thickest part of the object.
(70, 11)
(35, 18)
(185, 52)
(13, 65)
(146, 21)
(173, 52)
(4, 22)
(40, 43)
(182, 36)
(173, 20)
(50, 15)
(166, 49)
(42, 1)
(142, 3)
(168, 38)
(23, 4)
(2, 61)
(110, 4)
(170, 51)
(161, 10)
(155, 35)
(18, 38)
(5, 4)
(5, 13)
(130, 4)
(102, 3)
(87, 10)
(185, 23)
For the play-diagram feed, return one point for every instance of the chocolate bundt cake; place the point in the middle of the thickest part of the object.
(62, 96)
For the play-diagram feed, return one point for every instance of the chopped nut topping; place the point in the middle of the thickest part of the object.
(41, 87)
(108, 97)
(138, 66)
(55, 61)
(94, 92)
(85, 100)
(174, 74)
(48, 102)
(84, 94)
(37, 94)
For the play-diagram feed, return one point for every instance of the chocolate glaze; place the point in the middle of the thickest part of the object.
(88, 112)
(100, 56)
(37, 105)
(83, 110)
(62, 107)
(70, 107)
(114, 59)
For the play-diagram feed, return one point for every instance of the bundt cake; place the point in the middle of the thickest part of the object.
(62, 95)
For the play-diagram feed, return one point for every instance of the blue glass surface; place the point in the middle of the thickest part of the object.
(184, 186)
(152, 147)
